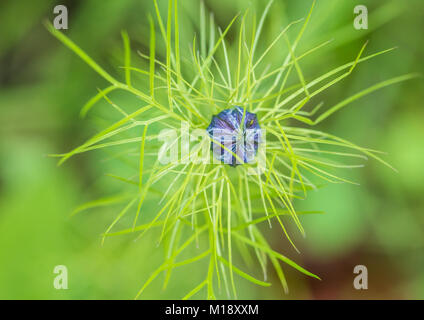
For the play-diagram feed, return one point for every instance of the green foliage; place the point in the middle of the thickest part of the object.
(213, 206)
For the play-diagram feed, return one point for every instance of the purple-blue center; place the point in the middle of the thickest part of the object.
(236, 136)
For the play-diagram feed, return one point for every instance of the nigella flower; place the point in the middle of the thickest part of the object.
(235, 135)
(206, 207)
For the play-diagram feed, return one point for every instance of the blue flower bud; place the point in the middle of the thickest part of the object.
(234, 143)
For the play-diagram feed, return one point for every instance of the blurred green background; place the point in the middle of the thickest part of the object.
(379, 224)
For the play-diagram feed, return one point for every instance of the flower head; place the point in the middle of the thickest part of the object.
(236, 136)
